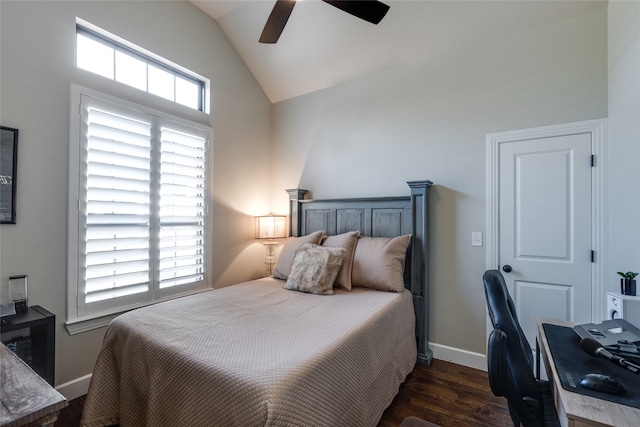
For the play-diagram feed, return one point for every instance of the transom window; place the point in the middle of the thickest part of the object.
(100, 53)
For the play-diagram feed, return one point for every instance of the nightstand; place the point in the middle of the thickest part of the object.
(32, 335)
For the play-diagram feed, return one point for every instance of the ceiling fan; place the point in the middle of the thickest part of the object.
(370, 10)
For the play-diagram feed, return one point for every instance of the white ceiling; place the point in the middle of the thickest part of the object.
(322, 46)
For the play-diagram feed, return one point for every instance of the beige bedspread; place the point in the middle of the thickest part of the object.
(255, 354)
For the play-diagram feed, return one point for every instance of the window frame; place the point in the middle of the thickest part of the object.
(77, 318)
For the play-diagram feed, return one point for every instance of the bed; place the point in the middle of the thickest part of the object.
(258, 354)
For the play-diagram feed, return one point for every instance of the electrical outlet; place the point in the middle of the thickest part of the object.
(476, 238)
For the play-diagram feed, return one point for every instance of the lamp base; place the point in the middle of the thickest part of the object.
(270, 259)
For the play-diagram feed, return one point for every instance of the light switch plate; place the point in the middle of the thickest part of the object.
(476, 238)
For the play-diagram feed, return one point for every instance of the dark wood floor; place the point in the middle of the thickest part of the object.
(444, 393)
(448, 395)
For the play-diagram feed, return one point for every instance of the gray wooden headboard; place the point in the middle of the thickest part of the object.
(378, 217)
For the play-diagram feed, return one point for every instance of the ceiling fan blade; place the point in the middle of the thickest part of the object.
(277, 20)
(370, 10)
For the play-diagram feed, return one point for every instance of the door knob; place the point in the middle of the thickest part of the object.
(507, 268)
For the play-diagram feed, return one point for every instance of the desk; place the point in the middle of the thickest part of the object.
(577, 410)
(25, 397)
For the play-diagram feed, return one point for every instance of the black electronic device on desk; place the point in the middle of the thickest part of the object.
(617, 336)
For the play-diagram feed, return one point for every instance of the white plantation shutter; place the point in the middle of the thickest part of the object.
(182, 207)
(118, 204)
(142, 217)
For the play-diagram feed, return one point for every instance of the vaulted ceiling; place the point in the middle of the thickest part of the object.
(322, 46)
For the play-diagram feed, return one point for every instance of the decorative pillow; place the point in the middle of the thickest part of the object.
(315, 268)
(378, 263)
(285, 259)
(346, 241)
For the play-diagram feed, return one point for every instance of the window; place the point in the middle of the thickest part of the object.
(138, 206)
(102, 54)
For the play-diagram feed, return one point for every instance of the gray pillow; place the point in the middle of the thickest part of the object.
(315, 268)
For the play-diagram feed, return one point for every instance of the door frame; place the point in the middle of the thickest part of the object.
(598, 130)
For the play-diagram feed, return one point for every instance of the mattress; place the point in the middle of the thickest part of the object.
(255, 354)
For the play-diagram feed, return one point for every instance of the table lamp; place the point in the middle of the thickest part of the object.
(270, 227)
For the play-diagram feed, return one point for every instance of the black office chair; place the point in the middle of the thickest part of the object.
(510, 361)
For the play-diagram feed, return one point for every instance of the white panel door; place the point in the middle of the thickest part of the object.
(545, 227)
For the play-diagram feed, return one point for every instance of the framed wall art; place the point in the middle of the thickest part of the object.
(8, 165)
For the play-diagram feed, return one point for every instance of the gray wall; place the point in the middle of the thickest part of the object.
(429, 121)
(37, 68)
(624, 148)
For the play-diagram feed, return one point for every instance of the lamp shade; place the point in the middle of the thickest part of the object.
(271, 227)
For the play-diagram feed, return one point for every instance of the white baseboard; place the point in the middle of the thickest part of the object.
(75, 388)
(461, 357)
(79, 387)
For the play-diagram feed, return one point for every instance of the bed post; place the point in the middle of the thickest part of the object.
(420, 266)
(295, 215)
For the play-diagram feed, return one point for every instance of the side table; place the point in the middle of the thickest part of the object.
(39, 332)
